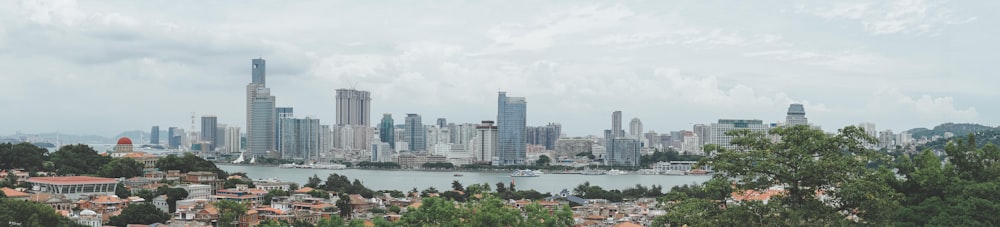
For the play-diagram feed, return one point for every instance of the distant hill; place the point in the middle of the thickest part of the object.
(982, 138)
(959, 129)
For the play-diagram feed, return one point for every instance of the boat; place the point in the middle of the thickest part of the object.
(524, 173)
(698, 172)
(457, 174)
(588, 171)
(538, 172)
(674, 172)
(648, 172)
(616, 172)
(313, 166)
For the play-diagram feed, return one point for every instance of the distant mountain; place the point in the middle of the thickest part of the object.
(57, 138)
(959, 129)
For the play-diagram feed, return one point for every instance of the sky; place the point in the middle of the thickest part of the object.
(103, 67)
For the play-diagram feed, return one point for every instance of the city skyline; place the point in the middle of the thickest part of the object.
(576, 61)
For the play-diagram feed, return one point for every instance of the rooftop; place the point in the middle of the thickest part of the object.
(73, 180)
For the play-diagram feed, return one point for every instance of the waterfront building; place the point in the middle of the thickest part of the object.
(381, 152)
(353, 107)
(173, 139)
(544, 135)
(796, 115)
(281, 113)
(616, 124)
(232, 140)
(623, 151)
(511, 120)
(353, 137)
(651, 139)
(571, 147)
(635, 128)
(209, 125)
(74, 187)
(703, 132)
(436, 135)
(484, 148)
(327, 136)
(463, 134)
(415, 137)
(386, 130)
(261, 114)
(413, 161)
(300, 138)
(154, 135)
(718, 130)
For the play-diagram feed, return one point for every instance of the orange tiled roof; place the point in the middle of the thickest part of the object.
(107, 199)
(13, 193)
(72, 180)
(751, 195)
(304, 190)
(627, 224)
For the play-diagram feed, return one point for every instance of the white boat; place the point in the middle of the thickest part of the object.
(538, 172)
(648, 172)
(674, 172)
(588, 171)
(617, 172)
(524, 173)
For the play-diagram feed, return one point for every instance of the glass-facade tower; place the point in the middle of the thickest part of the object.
(511, 124)
(386, 131)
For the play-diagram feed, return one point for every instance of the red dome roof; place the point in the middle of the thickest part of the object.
(125, 140)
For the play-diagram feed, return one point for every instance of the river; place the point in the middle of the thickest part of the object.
(406, 180)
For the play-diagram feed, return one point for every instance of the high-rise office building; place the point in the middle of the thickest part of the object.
(718, 130)
(386, 131)
(281, 113)
(484, 148)
(511, 123)
(704, 133)
(381, 152)
(261, 126)
(616, 124)
(220, 138)
(233, 139)
(544, 135)
(154, 135)
(437, 136)
(415, 137)
(353, 107)
(173, 138)
(442, 123)
(257, 70)
(300, 138)
(635, 128)
(622, 152)
(209, 127)
(796, 115)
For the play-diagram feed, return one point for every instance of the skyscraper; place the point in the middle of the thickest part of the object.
(154, 135)
(635, 128)
(281, 113)
(209, 125)
(415, 138)
(622, 152)
(442, 123)
(232, 141)
(257, 69)
(386, 131)
(718, 130)
(484, 148)
(796, 115)
(511, 120)
(616, 124)
(173, 138)
(261, 124)
(300, 138)
(353, 107)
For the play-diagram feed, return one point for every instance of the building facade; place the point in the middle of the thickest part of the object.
(718, 130)
(485, 142)
(415, 138)
(154, 135)
(386, 130)
(209, 125)
(622, 152)
(511, 124)
(74, 187)
(261, 124)
(353, 107)
(300, 138)
(233, 139)
(796, 115)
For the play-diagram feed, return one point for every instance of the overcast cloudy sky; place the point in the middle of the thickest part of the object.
(102, 67)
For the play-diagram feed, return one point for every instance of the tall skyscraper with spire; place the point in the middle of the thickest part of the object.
(261, 120)
(511, 123)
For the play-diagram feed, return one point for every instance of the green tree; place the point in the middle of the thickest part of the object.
(457, 186)
(273, 193)
(543, 160)
(229, 212)
(24, 213)
(436, 212)
(344, 205)
(807, 162)
(77, 159)
(22, 156)
(146, 194)
(173, 195)
(121, 167)
(121, 191)
(333, 221)
(314, 182)
(395, 209)
(189, 162)
(232, 182)
(139, 213)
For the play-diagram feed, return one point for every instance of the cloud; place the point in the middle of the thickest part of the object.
(543, 31)
(848, 60)
(925, 108)
(891, 17)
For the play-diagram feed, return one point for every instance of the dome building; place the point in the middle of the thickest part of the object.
(124, 145)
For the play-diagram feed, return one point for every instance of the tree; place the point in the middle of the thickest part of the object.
(457, 186)
(395, 209)
(229, 212)
(139, 213)
(77, 159)
(808, 162)
(121, 167)
(25, 213)
(314, 182)
(146, 194)
(232, 182)
(121, 191)
(173, 195)
(435, 212)
(543, 160)
(189, 162)
(22, 156)
(273, 193)
(344, 205)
